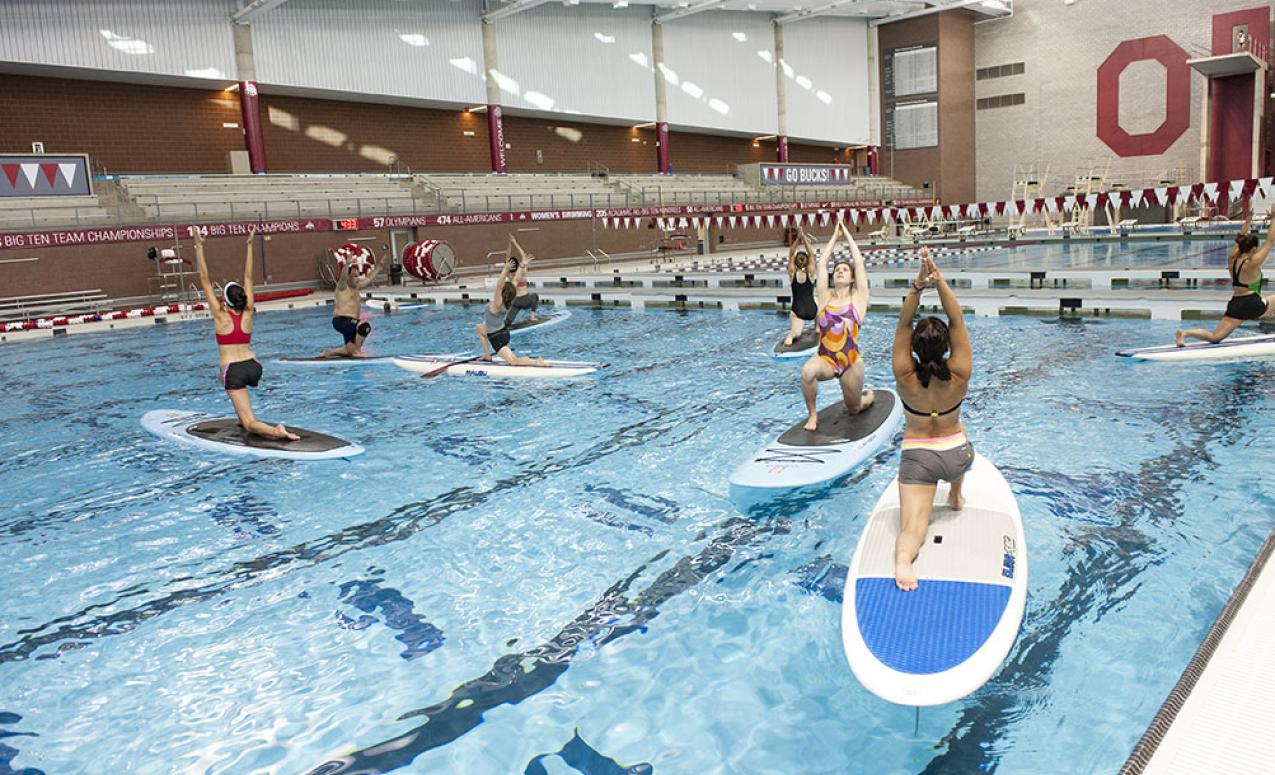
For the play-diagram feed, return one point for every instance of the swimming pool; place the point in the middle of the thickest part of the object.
(520, 576)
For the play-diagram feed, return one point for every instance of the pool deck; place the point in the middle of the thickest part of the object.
(1217, 720)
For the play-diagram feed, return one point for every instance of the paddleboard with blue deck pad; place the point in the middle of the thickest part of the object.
(225, 435)
(1231, 350)
(945, 639)
(800, 458)
(525, 323)
(803, 346)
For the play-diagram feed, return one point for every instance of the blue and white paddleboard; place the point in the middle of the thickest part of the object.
(524, 323)
(1234, 349)
(799, 458)
(803, 346)
(225, 435)
(945, 639)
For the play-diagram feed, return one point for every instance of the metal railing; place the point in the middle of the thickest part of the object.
(51, 304)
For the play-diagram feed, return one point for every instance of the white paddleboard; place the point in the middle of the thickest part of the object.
(467, 366)
(524, 323)
(224, 435)
(945, 639)
(406, 304)
(803, 346)
(339, 360)
(842, 442)
(1233, 349)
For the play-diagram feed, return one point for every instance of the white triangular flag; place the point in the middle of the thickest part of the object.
(29, 171)
(68, 173)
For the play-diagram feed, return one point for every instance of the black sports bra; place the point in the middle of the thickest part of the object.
(910, 410)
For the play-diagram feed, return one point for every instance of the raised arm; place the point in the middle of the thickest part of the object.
(821, 267)
(247, 268)
(504, 276)
(1259, 257)
(961, 359)
(862, 293)
(901, 355)
(201, 266)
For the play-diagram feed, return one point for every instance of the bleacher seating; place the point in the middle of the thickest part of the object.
(187, 198)
(45, 212)
(484, 193)
(214, 197)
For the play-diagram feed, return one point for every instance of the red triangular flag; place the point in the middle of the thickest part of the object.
(11, 172)
(50, 172)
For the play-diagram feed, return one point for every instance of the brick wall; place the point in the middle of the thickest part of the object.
(142, 128)
(123, 127)
(947, 168)
(1062, 47)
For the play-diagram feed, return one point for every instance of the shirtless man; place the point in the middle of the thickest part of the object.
(347, 301)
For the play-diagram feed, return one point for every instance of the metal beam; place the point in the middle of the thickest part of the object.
(818, 10)
(680, 13)
(254, 9)
(1004, 10)
(518, 6)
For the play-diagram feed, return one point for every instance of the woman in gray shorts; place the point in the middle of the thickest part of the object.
(932, 384)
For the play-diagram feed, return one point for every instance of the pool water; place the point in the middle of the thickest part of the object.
(550, 577)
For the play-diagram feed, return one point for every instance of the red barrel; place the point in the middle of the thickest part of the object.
(429, 260)
(362, 257)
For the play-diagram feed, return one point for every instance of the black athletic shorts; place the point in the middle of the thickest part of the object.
(347, 327)
(1249, 307)
(498, 340)
(241, 375)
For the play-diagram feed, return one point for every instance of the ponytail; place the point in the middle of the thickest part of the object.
(930, 342)
(927, 369)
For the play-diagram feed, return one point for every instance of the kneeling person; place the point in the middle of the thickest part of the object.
(345, 313)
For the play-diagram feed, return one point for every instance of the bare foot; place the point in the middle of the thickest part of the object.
(811, 423)
(866, 399)
(1180, 338)
(904, 576)
(788, 341)
(955, 502)
(284, 433)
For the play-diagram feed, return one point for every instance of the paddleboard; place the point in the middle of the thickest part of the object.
(542, 321)
(803, 346)
(842, 442)
(466, 366)
(225, 435)
(945, 639)
(379, 304)
(340, 360)
(1232, 349)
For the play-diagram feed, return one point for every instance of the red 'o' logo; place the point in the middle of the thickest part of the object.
(1177, 97)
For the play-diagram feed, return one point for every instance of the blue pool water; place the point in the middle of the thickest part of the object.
(550, 578)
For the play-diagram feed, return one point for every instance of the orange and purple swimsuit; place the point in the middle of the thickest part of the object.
(838, 337)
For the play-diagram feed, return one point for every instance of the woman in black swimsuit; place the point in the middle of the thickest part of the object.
(804, 308)
(932, 366)
(1245, 265)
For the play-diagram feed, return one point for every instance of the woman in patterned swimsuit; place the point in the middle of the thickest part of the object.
(842, 309)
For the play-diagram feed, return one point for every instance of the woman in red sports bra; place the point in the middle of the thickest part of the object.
(232, 323)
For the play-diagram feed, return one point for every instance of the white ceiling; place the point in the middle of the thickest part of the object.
(863, 9)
